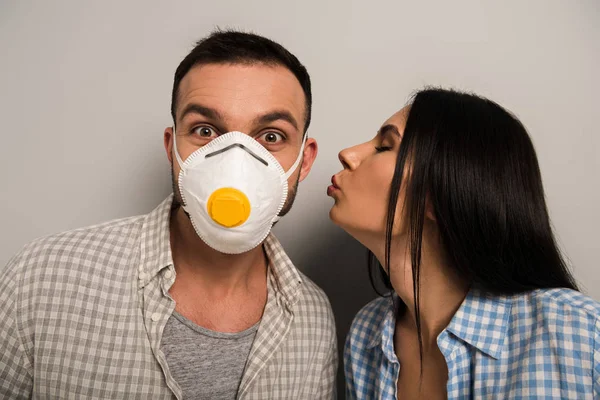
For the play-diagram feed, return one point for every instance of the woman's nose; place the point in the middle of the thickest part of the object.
(350, 157)
(344, 159)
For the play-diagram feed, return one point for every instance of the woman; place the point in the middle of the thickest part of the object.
(448, 198)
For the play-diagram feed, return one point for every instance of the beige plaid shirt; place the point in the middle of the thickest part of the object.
(82, 315)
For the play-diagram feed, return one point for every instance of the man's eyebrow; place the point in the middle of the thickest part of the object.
(277, 115)
(208, 112)
(389, 128)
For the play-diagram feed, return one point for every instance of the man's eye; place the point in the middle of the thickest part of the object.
(204, 132)
(271, 137)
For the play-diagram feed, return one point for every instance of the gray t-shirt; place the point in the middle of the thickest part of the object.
(206, 364)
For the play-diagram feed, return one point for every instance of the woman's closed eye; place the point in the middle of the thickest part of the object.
(381, 149)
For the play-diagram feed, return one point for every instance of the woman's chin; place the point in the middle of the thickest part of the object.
(341, 220)
(333, 214)
(365, 238)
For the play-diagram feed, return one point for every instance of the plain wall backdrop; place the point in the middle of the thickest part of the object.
(85, 91)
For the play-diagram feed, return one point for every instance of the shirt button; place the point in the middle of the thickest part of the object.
(168, 274)
(155, 317)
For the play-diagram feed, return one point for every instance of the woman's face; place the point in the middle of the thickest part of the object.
(361, 190)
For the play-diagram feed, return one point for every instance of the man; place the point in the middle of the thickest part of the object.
(196, 299)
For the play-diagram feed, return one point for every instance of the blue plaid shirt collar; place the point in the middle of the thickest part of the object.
(383, 334)
(481, 321)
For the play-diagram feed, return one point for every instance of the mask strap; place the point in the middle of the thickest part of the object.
(293, 168)
(175, 148)
(297, 162)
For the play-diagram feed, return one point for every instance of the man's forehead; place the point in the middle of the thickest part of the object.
(242, 88)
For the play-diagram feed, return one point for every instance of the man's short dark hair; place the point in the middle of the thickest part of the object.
(234, 47)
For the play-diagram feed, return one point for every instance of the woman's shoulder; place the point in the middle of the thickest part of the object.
(367, 322)
(562, 309)
(562, 300)
(373, 311)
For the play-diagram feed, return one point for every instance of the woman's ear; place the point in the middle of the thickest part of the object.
(429, 211)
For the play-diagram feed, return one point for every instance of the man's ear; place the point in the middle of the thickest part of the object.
(310, 153)
(168, 142)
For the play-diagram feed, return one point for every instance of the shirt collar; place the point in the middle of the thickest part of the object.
(155, 246)
(482, 321)
(385, 327)
(285, 276)
(156, 254)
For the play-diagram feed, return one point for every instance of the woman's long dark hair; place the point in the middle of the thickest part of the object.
(476, 163)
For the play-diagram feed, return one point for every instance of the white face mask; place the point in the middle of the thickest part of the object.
(233, 190)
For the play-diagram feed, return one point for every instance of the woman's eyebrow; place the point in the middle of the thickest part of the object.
(389, 128)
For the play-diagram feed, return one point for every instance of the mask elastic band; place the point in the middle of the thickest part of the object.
(175, 146)
(297, 162)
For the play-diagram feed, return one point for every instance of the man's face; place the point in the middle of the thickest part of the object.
(265, 102)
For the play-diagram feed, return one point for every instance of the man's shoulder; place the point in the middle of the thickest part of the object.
(313, 294)
(308, 298)
(314, 300)
(313, 307)
(77, 246)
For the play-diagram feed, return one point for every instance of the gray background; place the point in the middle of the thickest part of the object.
(85, 90)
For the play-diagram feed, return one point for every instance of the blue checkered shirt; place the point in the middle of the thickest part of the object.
(540, 344)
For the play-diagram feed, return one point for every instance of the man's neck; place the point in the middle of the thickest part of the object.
(206, 269)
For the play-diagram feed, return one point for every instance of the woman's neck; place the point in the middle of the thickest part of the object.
(442, 290)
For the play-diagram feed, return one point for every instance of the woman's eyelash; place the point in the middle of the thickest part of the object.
(380, 149)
